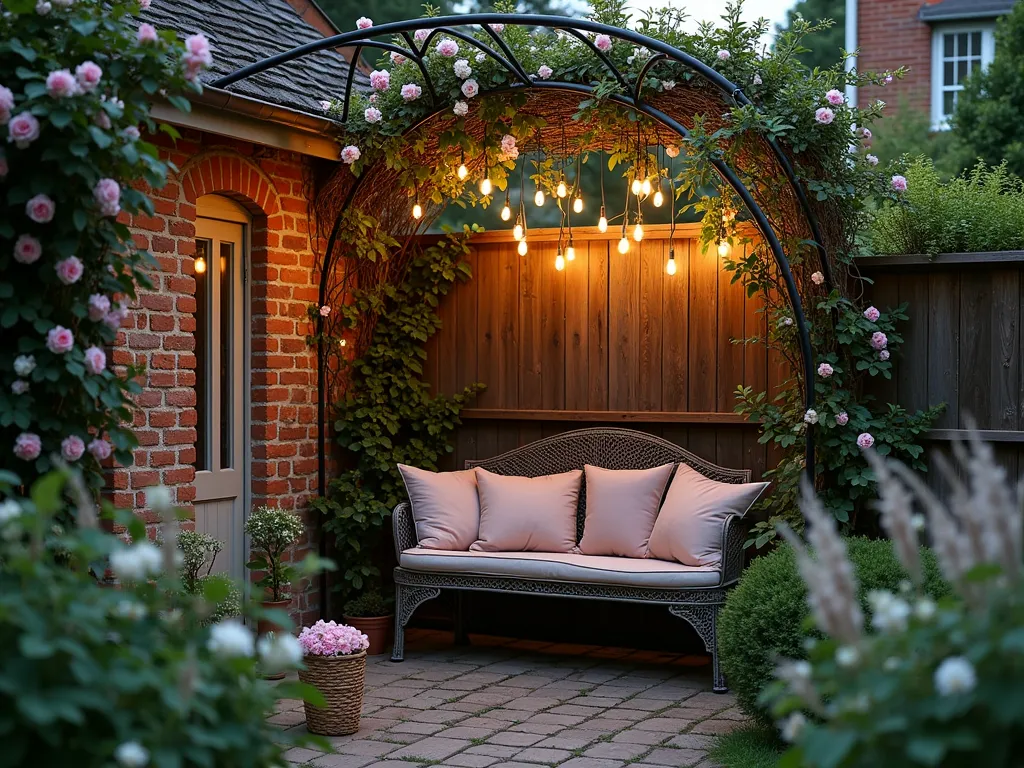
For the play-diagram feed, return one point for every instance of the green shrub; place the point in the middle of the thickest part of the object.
(765, 616)
(980, 210)
(369, 604)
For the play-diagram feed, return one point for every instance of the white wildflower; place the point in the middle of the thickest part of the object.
(229, 639)
(9, 510)
(889, 612)
(811, 416)
(955, 675)
(279, 652)
(847, 656)
(24, 364)
(131, 754)
(793, 726)
(160, 499)
(925, 609)
(891, 664)
(137, 562)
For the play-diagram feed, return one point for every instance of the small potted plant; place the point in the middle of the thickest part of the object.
(198, 555)
(272, 532)
(371, 613)
(334, 656)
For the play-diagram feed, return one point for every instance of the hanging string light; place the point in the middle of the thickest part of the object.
(577, 202)
(602, 223)
(561, 190)
(623, 240)
(659, 198)
(486, 187)
(670, 267)
(463, 171)
(519, 231)
(417, 209)
(559, 256)
(638, 230)
(506, 210)
(723, 242)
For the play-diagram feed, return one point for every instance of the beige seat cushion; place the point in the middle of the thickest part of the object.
(445, 507)
(622, 505)
(564, 567)
(527, 514)
(689, 526)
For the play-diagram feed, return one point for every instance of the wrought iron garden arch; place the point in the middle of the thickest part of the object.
(631, 99)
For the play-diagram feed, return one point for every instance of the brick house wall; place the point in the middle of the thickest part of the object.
(159, 334)
(890, 35)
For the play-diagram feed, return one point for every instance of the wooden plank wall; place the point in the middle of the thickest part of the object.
(612, 339)
(963, 345)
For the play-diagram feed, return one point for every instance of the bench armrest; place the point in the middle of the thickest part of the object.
(734, 533)
(404, 528)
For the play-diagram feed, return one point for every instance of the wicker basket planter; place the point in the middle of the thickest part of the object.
(340, 679)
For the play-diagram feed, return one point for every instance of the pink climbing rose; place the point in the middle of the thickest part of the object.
(6, 103)
(865, 132)
(421, 35)
(350, 154)
(40, 209)
(372, 115)
(899, 183)
(147, 34)
(364, 22)
(723, 55)
(544, 72)
(325, 311)
(461, 108)
(107, 193)
(23, 129)
(61, 83)
(447, 47)
(60, 340)
(88, 74)
(95, 360)
(835, 97)
(865, 440)
(509, 150)
(470, 88)
(70, 270)
(72, 448)
(879, 340)
(380, 79)
(411, 91)
(824, 115)
(28, 446)
(817, 278)
(872, 160)
(99, 305)
(883, 355)
(872, 314)
(842, 418)
(603, 43)
(27, 250)
(825, 370)
(101, 449)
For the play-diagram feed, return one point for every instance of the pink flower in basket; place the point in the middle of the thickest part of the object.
(328, 638)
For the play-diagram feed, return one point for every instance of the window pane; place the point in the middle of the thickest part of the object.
(948, 102)
(947, 74)
(203, 312)
(961, 71)
(947, 45)
(975, 65)
(227, 339)
(961, 44)
(975, 43)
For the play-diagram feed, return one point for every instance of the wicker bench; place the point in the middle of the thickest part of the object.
(416, 583)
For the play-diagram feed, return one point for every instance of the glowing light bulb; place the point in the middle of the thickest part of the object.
(638, 232)
(463, 172)
(561, 190)
(538, 198)
(517, 232)
(659, 199)
(670, 268)
(624, 245)
(635, 187)
(559, 262)
(570, 253)
(522, 247)
(485, 186)
(724, 248)
(343, 343)
(577, 204)
(646, 187)
(417, 211)
(506, 213)
(602, 223)
(200, 265)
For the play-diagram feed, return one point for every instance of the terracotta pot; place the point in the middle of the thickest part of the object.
(378, 629)
(263, 627)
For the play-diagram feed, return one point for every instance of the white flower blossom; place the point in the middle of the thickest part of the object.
(462, 69)
(136, 562)
(793, 726)
(955, 675)
(229, 639)
(889, 612)
(129, 609)
(811, 416)
(847, 656)
(925, 609)
(279, 652)
(131, 754)
(160, 499)
(24, 364)
(9, 510)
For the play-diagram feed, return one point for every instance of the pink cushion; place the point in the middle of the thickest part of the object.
(689, 526)
(527, 514)
(622, 505)
(445, 507)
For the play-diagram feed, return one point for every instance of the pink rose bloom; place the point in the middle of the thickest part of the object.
(871, 160)
(100, 449)
(147, 34)
(603, 43)
(835, 97)
(470, 88)
(842, 418)
(115, 317)
(364, 23)
(325, 311)
(899, 183)
(411, 91)
(61, 83)
(879, 340)
(509, 150)
(350, 154)
(28, 446)
(397, 58)
(872, 314)
(327, 638)
(380, 79)
(60, 340)
(95, 360)
(372, 115)
(72, 448)
(88, 75)
(883, 355)
(99, 305)
(544, 72)
(40, 209)
(23, 129)
(6, 103)
(824, 115)
(373, 98)
(19, 387)
(865, 440)
(108, 194)
(817, 278)
(70, 270)
(102, 119)
(447, 47)
(27, 250)
(865, 132)
(144, 4)
(723, 55)
(825, 370)
(198, 47)
(421, 35)
(131, 133)
(499, 28)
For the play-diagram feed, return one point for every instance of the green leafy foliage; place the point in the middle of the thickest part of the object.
(388, 415)
(766, 615)
(823, 48)
(82, 139)
(272, 532)
(369, 604)
(980, 210)
(88, 668)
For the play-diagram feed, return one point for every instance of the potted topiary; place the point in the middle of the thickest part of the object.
(272, 532)
(371, 613)
(334, 656)
(199, 554)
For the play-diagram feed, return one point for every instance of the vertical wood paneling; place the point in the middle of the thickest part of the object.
(675, 303)
(649, 344)
(531, 337)
(944, 346)
(577, 331)
(731, 310)
(1004, 360)
(552, 319)
(976, 396)
(911, 386)
(597, 326)
(624, 329)
(703, 343)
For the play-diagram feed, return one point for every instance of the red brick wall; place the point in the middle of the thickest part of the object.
(160, 331)
(890, 36)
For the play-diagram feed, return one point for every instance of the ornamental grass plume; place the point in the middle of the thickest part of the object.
(895, 507)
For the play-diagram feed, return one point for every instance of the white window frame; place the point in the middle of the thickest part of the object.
(988, 50)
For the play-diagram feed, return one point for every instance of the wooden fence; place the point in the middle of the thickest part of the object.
(612, 339)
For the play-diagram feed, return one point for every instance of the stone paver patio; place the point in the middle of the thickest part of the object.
(522, 704)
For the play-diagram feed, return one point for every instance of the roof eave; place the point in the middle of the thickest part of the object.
(957, 15)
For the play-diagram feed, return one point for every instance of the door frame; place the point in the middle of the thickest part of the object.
(221, 208)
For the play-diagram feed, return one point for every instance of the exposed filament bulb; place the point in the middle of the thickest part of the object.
(517, 232)
(417, 211)
(570, 253)
(559, 262)
(506, 212)
(724, 248)
(659, 198)
(670, 268)
(561, 190)
(486, 187)
(602, 223)
(638, 232)
(624, 245)
(577, 204)
(463, 172)
(635, 187)
(522, 247)
(538, 198)
(645, 187)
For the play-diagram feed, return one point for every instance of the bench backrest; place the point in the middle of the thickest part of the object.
(608, 447)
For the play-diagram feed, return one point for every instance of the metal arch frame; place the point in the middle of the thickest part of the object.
(663, 52)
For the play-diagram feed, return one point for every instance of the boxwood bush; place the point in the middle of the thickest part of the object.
(765, 616)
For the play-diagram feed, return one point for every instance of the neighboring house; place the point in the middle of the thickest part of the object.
(228, 413)
(941, 42)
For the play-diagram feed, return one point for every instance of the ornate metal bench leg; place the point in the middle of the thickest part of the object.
(407, 600)
(704, 619)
